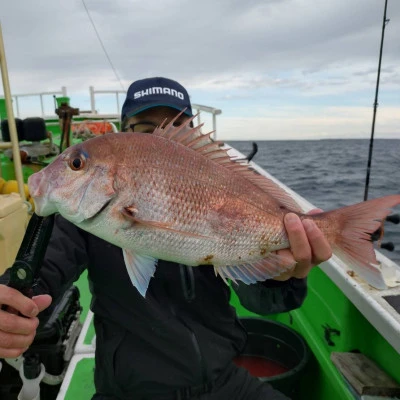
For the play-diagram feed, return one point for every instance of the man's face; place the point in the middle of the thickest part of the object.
(148, 120)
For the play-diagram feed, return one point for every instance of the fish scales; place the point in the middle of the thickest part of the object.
(193, 195)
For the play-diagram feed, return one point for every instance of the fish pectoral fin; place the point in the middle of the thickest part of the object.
(140, 269)
(267, 268)
(130, 213)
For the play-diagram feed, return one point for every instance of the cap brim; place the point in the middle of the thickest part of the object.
(139, 110)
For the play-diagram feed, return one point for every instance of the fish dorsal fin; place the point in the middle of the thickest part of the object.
(194, 139)
(272, 188)
(191, 137)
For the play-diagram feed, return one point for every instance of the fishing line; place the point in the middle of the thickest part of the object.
(102, 45)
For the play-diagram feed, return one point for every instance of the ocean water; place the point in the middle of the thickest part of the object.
(332, 173)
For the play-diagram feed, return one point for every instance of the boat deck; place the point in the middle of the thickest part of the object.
(78, 381)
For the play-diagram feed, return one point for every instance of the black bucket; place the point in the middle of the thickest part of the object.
(283, 351)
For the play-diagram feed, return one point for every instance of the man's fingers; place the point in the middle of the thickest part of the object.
(315, 211)
(16, 324)
(42, 301)
(11, 353)
(284, 277)
(16, 300)
(299, 245)
(13, 341)
(287, 255)
(320, 247)
(308, 245)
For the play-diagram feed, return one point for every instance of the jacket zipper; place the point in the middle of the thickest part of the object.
(198, 352)
(187, 280)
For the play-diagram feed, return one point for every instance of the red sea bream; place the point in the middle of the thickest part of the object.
(176, 195)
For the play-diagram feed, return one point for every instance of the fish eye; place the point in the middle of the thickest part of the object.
(77, 163)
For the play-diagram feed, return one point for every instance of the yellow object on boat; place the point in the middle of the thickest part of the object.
(11, 186)
(13, 223)
(2, 182)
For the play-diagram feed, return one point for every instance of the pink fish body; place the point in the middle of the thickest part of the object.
(176, 195)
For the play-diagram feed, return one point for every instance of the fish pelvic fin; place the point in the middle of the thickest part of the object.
(140, 269)
(204, 144)
(353, 241)
(267, 268)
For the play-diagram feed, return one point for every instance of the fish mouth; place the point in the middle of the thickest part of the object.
(38, 188)
(37, 185)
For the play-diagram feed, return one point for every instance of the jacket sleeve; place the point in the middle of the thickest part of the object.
(272, 297)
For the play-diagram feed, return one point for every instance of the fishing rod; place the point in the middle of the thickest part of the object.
(395, 218)
(11, 120)
(371, 142)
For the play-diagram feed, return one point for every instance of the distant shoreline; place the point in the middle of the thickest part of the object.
(303, 140)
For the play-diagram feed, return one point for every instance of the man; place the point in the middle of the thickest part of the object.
(180, 341)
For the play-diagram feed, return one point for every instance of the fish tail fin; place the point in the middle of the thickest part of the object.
(353, 242)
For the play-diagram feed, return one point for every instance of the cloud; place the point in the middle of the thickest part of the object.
(240, 56)
(299, 123)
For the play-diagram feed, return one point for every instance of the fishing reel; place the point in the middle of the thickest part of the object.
(39, 372)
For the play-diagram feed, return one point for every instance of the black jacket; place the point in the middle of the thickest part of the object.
(183, 334)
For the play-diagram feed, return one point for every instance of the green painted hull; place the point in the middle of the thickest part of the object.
(327, 306)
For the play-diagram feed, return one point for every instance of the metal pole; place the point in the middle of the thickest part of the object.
(41, 104)
(92, 99)
(11, 120)
(214, 126)
(371, 142)
(17, 105)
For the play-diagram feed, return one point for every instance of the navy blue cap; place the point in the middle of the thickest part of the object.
(155, 92)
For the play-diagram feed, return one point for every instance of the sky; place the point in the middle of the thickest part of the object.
(277, 69)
